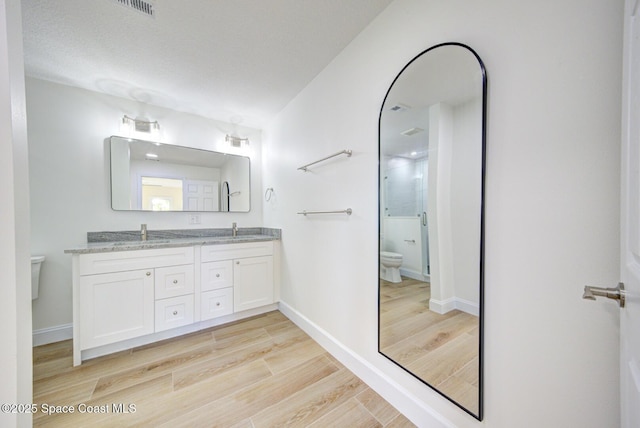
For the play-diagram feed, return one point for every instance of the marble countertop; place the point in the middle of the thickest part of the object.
(106, 241)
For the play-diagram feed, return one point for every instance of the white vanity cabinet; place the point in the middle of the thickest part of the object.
(174, 296)
(216, 298)
(119, 295)
(125, 297)
(252, 282)
(115, 306)
(241, 272)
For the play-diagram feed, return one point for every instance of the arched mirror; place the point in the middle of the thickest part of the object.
(432, 138)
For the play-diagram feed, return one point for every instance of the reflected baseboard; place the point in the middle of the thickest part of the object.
(48, 335)
(414, 275)
(444, 306)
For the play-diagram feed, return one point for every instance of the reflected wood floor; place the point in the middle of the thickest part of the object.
(259, 372)
(441, 349)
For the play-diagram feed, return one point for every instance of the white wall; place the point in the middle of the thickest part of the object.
(15, 274)
(466, 199)
(440, 209)
(551, 204)
(68, 130)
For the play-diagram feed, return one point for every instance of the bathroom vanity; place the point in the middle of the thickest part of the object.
(131, 293)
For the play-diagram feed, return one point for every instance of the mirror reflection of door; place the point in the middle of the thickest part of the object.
(200, 195)
(431, 189)
(224, 200)
(150, 176)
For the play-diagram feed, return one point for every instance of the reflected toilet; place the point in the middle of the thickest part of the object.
(390, 266)
(36, 262)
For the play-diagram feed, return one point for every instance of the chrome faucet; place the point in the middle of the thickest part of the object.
(234, 229)
(143, 232)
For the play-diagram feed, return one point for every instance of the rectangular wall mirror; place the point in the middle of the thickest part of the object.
(149, 176)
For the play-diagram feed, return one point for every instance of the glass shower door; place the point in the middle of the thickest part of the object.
(422, 167)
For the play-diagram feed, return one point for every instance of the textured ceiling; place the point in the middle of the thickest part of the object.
(239, 61)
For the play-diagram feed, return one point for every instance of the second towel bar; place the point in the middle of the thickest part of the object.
(348, 211)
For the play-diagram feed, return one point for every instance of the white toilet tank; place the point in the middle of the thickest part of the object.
(36, 262)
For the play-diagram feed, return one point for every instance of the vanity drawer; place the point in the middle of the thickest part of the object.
(174, 312)
(120, 261)
(212, 253)
(216, 275)
(174, 281)
(216, 303)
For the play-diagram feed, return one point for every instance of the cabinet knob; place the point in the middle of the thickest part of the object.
(148, 273)
(217, 303)
(238, 262)
(175, 312)
(217, 275)
(175, 281)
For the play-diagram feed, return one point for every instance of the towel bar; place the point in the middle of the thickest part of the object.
(348, 211)
(343, 152)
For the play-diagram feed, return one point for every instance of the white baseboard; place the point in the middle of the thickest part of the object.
(472, 308)
(387, 388)
(48, 335)
(414, 275)
(444, 306)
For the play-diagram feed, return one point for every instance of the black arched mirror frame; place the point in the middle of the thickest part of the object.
(461, 329)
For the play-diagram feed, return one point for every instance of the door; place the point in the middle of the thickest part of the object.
(630, 220)
(200, 195)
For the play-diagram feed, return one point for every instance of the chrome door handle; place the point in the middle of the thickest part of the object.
(617, 293)
(424, 218)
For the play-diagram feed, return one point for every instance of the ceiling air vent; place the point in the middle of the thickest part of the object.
(399, 107)
(146, 7)
(412, 131)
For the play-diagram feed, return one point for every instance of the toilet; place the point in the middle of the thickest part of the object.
(390, 266)
(36, 262)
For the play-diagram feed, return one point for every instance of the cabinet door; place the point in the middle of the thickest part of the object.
(115, 307)
(216, 275)
(252, 282)
(174, 281)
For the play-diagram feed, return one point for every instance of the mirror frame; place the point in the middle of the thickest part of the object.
(479, 415)
(193, 150)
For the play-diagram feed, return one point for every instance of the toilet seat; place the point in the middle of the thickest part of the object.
(390, 255)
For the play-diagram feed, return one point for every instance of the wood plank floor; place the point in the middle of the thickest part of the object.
(440, 349)
(259, 372)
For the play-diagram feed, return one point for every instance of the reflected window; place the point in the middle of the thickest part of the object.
(161, 194)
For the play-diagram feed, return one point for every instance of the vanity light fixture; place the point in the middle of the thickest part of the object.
(140, 128)
(236, 141)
